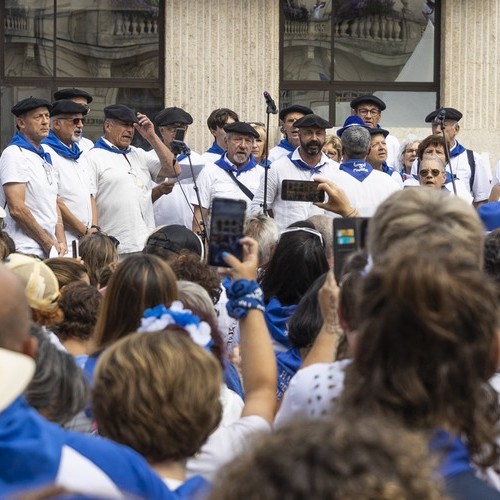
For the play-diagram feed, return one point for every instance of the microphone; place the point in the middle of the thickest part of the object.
(271, 105)
(440, 117)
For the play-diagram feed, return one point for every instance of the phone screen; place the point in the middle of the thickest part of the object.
(179, 134)
(226, 229)
(296, 190)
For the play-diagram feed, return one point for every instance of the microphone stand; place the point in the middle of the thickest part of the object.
(181, 147)
(440, 120)
(266, 163)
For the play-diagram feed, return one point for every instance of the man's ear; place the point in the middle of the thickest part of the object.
(457, 128)
(212, 131)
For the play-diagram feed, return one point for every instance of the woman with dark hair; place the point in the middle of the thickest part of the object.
(299, 258)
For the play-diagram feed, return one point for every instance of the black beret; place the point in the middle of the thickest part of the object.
(28, 104)
(449, 114)
(70, 93)
(67, 107)
(120, 112)
(241, 128)
(378, 130)
(368, 98)
(294, 108)
(172, 115)
(175, 238)
(312, 120)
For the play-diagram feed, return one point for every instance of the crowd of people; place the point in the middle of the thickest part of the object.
(129, 367)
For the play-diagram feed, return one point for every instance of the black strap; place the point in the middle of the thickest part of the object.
(245, 190)
(472, 165)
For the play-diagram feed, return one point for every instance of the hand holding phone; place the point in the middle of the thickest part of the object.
(227, 217)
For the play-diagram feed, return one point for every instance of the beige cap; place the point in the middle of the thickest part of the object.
(40, 283)
(16, 371)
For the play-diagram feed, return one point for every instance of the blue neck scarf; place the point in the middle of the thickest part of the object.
(286, 145)
(304, 166)
(456, 150)
(102, 144)
(288, 363)
(19, 140)
(194, 487)
(225, 165)
(215, 149)
(455, 456)
(358, 169)
(71, 153)
(263, 163)
(277, 317)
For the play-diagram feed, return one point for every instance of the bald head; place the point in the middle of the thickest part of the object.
(15, 314)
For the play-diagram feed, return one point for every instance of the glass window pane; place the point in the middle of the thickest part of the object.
(383, 41)
(307, 40)
(113, 39)
(404, 109)
(317, 100)
(28, 38)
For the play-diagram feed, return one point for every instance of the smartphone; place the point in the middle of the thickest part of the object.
(226, 229)
(293, 190)
(177, 146)
(74, 249)
(349, 235)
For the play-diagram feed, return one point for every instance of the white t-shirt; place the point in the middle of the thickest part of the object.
(392, 149)
(287, 212)
(74, 189)
(19, 165)
(312, 392)
(121, 185)
(214, 182)
(85, 144)
(225, 444)
(175, 207)
(277, 152)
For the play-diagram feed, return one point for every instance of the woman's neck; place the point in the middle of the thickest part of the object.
(171, 469)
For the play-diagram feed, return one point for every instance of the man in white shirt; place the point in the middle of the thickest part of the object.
(369, 108)
(465, 164)
(288, 117)
(84, 99)
(303, 163)
(172, 198)
(30, 184)
(234, 175)
(77, 205)
(216, 122)
(121, 176)
(378, 155)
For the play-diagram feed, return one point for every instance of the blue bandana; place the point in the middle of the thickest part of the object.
(304, 166)
(19, 140)
(225, 165)
(263, 163)
(102, 144)
(277, 317)
(71, 153)
(288, 364)
(359, 169)
(389, 170)
(455, 456)
(286, 145)
(194, 487)
(456, 150)
(215, 149)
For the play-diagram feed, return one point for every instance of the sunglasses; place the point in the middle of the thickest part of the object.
(435, 172)
(75, 121)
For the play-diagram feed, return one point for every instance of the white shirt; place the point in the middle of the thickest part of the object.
(367, 195)
(287, 212)
(85, 144)
(214, 182)
(277, 152)
(74, 189)
(312, 392)
(121, 185)
(225, 444)
(175, 207)
(392, 149)
(18, 165)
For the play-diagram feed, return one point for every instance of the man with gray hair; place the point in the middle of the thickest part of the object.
(364, 186)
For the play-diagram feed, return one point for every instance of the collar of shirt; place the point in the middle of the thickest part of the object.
(71, 153)
(359, 169)
(296, 159)
(20, 141)
(456, 150)
(225, 164)
(103, 143)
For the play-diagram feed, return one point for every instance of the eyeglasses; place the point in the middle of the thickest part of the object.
(366, 112)
(75, 121)
(434, 171)
(48, 172)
